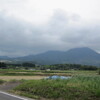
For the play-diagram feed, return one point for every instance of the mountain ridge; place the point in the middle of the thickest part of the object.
(82, 55)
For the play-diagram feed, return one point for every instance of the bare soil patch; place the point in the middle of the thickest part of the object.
(7, 78)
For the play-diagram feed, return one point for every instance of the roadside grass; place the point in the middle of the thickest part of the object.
(1, 81)
(80, 87)
(11, 81)
(15, 81)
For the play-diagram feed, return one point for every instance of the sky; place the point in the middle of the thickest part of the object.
(34, 26)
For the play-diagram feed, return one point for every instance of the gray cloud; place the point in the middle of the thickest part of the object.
(73, 32)
(62, 32)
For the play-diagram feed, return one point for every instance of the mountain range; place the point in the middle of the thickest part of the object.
(83, 55)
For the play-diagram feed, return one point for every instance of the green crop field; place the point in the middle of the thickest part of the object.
(77, 88)
(84, 85)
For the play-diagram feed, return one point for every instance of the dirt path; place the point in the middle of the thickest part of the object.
(9, 86)
(6, 87)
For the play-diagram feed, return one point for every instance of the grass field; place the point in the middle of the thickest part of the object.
(12, 72)
(76, 88)
(84, 85)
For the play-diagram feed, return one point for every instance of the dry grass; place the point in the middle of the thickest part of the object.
(7, 78)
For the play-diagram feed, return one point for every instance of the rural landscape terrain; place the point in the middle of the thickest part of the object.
(49, 49)
(32, 80)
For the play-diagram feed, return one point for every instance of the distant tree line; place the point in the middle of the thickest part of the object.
(27, 65)
(68, 67)
(3, 65)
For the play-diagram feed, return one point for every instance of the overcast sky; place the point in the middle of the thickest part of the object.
(35, 26)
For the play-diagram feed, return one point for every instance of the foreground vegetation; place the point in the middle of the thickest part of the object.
(1, 81)
(77, 88)
(84, 84)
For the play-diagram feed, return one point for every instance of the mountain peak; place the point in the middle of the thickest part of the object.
(82, 50)
(82, 55)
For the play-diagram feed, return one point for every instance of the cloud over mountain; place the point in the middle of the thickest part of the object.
(62, 32)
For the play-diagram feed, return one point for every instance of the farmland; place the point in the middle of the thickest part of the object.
(84, 85)
(76, 88)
